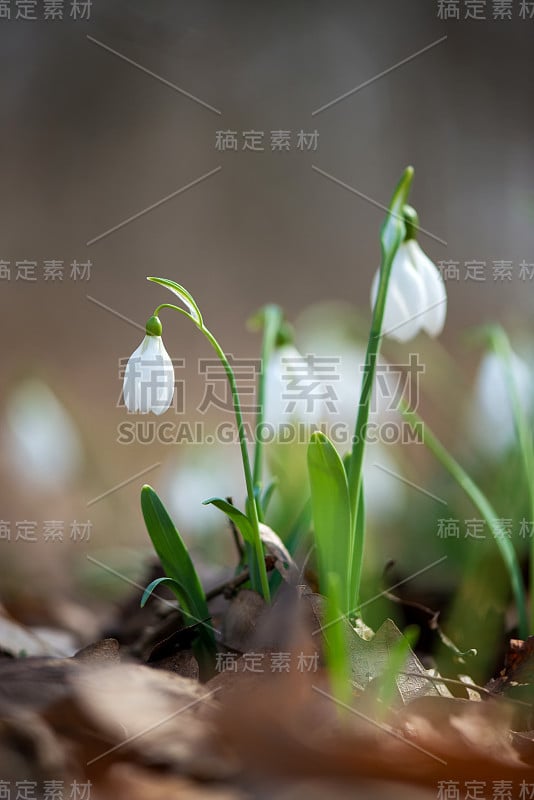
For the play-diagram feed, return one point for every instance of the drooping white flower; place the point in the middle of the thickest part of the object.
(149, 376)
(416, 299)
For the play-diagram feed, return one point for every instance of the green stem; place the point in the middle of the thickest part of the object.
(483, 505)
(271, 326)
(355, 464)
(392, 234)
(252, 509)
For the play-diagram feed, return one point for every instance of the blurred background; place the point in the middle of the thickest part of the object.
(117, 163)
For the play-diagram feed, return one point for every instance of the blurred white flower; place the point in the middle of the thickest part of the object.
(417, 299)
(206, 471)
(149, 377)
(345, 379)
(44, 445)
(322, 386)
(293, 394)
(491, 418)
(384, 493)
(338, 374)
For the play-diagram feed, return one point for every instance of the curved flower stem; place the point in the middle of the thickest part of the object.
(483, 505)
(257, 569)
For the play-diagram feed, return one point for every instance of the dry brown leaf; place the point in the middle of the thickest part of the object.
(29, 749)
(154, 716)
(275, 547)
(131, 782)
(106, 651)
(351, 790)
(289, 725)
(183, 663)
(241, 620)
(35, 683)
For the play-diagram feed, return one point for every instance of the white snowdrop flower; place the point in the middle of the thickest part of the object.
(417, 299)
(149, 376)
(491, 417)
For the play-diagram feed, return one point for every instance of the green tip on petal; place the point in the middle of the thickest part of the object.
(411, 221)
(153, 326)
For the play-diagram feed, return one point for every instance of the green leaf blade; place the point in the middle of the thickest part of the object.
(240, 520)
(173, 584)
(331, 512)
(174, 557)
(186, 297)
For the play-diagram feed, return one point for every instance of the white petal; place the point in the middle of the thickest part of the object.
(435, 302)
(149, 378)
(400, 322)
(405, 298)
(409, 284)
(164, 391)
(130, 377)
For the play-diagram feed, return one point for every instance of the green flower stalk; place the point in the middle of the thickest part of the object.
(408, 295)
(336, 485)
(392, 236)
(276, 333)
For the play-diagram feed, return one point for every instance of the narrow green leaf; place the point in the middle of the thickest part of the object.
(239, 519)
(300, 529)
(330, 511)
(267, 495)
(482, 504)
(185, 296)
(357, 543)
(173, 584)
(335, 636)
(174, 557)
